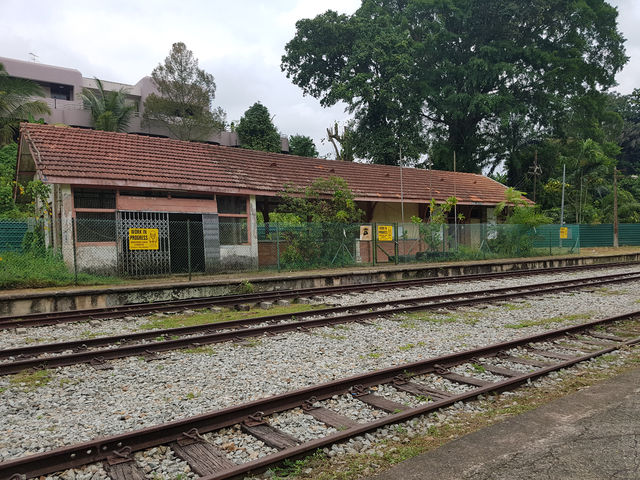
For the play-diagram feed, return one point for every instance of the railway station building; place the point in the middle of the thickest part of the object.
(104, 185)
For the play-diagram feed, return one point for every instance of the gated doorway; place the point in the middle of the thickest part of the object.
(186, 242)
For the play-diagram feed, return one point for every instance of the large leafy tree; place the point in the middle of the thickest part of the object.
(16, 104)
(185, 100)
(256, 130)
(109, 109)
(444, 75)
(628, 107)
(303, 146)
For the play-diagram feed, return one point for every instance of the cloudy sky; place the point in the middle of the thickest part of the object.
(239, 42)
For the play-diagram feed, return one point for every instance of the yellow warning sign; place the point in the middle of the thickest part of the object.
(385, 233)
(564, 232)
(365, 233)
(143, 239)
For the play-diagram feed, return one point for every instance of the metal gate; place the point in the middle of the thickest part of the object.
(143, 262)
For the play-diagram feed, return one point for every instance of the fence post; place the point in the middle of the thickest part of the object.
(75, 257)
(278, 244)
(397, 240)
(189, 246)
(550, 240)
(374, 244)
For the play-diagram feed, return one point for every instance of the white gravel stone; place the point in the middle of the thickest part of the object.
(79, 403)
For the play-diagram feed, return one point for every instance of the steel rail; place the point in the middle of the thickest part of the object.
(370, 311)
(50, 318)
(73, 456)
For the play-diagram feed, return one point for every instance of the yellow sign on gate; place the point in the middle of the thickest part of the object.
(385, 233)
(143, 239)
(564, 232)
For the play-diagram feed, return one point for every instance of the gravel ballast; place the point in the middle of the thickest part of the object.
(78, 403)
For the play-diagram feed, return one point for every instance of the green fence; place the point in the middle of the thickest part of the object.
(11, 235)
(188, 246)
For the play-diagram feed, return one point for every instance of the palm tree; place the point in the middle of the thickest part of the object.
(109, 110)
(16, 103)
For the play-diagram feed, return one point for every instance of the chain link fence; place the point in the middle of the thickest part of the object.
(95, 249)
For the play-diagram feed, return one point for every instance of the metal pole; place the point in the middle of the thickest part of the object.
(401, 189)
(564, 168)
(395, 234)
(615, 207)
(455, 207)
(75, 256)
(278, 244)
(374, 250)
(189, 246)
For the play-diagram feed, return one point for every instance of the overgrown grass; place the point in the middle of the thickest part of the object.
(31, 380)
(26, 270)
(470, 318)
(545, 322)
(201, 318)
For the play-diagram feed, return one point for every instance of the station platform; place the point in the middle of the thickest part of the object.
(592, 434)
(24, 301)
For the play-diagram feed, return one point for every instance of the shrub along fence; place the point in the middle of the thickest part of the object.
(184, 246)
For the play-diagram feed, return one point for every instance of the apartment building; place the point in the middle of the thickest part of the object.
(63, 88)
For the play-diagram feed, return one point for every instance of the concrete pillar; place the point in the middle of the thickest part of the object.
(253, 231)
(66, 223)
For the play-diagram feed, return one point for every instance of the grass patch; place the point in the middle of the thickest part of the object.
(545, 322)
(175, 321)
(331, 336)
(27, 270)
(515, 306)
(409, 346)
(31, 379)
(610, 291)
(470, 318)
(201, 350)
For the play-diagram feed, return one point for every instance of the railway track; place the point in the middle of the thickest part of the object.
(153, 342)
(508, 365)
(52, 318)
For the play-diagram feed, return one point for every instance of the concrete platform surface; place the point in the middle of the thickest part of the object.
(588, 435)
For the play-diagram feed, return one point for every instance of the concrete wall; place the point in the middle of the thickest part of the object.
(98, 259)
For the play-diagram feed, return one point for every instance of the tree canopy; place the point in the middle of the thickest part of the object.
(256, 130)
(109, 110)
(16, 104)
(303, 146)
(445, 76)
(186, 94)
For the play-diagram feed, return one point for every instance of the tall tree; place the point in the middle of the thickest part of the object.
(109, 110)
(16, 104)
(256, 130)
(303, 146)
(441, 74)
(184, 104)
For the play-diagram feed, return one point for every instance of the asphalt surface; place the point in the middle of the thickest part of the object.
(591, 434)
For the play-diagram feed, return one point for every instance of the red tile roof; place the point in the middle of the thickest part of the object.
(91, 157)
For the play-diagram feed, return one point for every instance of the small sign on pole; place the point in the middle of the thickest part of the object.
(385, 233)
(365, 233)
(143, 239)
(564, 233)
